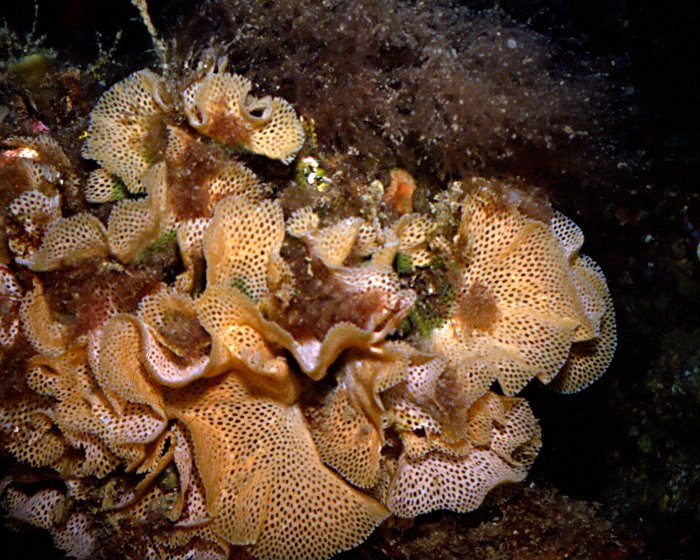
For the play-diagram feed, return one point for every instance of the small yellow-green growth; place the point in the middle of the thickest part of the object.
(241, 284)
(403, 264)
(167, 242)
(119, 190)
(32, 68)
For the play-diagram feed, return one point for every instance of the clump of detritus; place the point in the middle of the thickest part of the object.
(428, 86)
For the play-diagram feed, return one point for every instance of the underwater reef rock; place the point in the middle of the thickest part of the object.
(208, 361)
(537, 523)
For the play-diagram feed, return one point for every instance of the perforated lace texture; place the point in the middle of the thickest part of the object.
(120, 135)
(264, 479)
(231, 392)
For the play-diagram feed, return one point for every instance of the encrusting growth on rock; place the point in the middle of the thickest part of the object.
(252, 379)
(220, 107)
(126, 133)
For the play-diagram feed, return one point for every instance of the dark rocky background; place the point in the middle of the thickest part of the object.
(619, 473)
